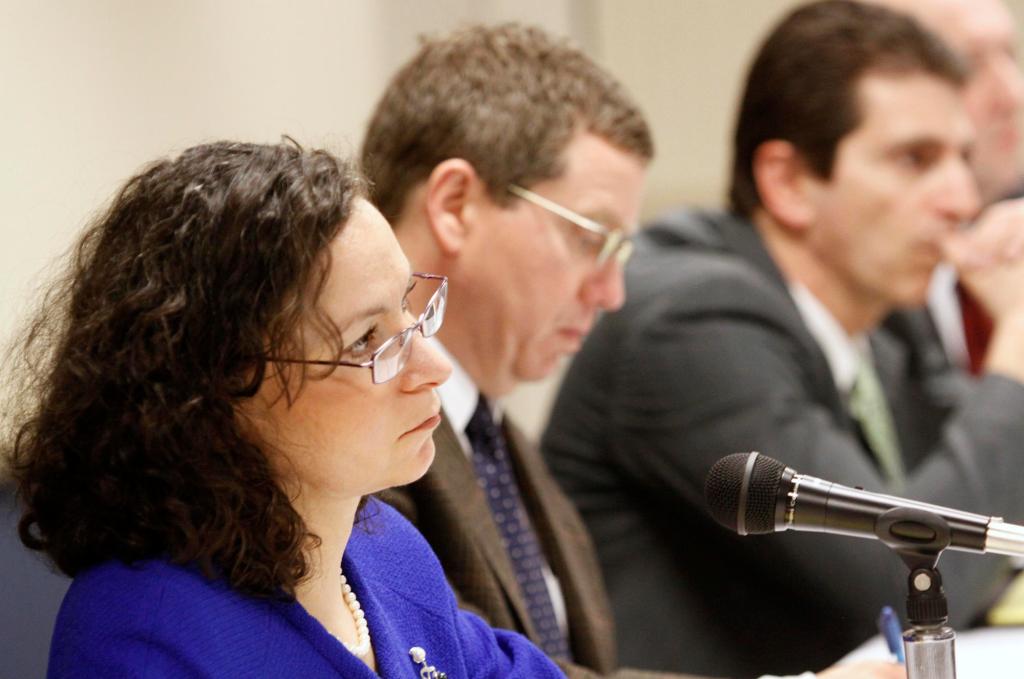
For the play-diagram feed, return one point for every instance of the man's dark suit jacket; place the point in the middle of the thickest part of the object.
(31, 591)
(710, 356)
(449, 508)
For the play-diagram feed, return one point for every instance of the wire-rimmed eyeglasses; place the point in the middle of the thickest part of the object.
(389, 359)
(613, 242)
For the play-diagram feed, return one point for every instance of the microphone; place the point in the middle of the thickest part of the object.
(750, 493)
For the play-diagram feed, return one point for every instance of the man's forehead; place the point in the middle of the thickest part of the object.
(600, 181)
(902, 106)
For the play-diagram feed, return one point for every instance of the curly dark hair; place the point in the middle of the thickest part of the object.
(127, 440)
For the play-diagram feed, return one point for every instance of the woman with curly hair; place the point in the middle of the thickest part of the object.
(230, 367)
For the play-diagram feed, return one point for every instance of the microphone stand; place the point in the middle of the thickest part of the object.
(919, 536)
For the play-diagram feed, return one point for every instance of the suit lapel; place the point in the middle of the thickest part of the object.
(742, 238)
(570, 555)
(459, 480)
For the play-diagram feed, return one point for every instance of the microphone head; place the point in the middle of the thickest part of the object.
(741, 491)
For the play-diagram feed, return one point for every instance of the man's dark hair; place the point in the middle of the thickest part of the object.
(507, 98)
(802, 85)
(129, 440)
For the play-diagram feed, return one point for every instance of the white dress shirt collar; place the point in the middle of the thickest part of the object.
(843, 353)
(944, 306)
(459, 396)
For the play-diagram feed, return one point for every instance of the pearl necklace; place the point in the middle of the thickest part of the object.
(362, 645)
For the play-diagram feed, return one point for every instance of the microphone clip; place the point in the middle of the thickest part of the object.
(919, 536)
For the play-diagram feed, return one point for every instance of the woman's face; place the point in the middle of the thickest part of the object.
(344, 436)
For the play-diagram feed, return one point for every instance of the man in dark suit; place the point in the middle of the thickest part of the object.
(511, 163)
(470, 119)
(758, 329)
(31, 590)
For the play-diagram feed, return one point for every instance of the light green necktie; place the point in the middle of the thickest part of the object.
(870, 408)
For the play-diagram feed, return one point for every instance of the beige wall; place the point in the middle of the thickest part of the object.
(685, 61)
(92, 89)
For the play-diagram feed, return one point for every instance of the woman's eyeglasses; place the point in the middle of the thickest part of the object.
(389, 359)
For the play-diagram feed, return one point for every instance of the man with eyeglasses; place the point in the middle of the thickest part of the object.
(760, 328)
(509, 162)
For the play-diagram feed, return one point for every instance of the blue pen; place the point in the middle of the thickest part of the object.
(889, 626)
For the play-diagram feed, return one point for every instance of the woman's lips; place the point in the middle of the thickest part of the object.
(426, 425)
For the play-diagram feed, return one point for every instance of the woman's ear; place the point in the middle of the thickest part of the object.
(451, 188)
(785, 184)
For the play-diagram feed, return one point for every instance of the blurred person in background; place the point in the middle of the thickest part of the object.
(758, 328)
(984, 33)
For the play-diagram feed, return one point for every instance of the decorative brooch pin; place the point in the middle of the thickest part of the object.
(419, 656)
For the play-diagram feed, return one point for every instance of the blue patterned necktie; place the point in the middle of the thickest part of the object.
(497, 478)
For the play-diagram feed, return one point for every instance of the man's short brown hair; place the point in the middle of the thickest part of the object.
(802, 86)
(508, 99)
